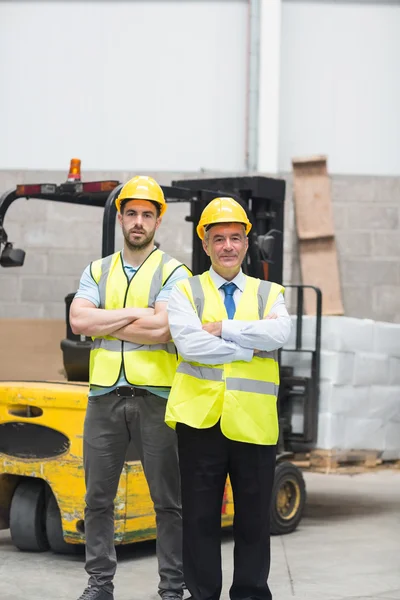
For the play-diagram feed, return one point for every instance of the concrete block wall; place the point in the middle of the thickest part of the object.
(359, 404)
(367, 212)
(61, 240)
(367, 225)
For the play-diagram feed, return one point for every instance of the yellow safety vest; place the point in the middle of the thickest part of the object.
(144, 365)
(242, 394)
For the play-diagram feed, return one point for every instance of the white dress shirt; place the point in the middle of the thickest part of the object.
(239, 338)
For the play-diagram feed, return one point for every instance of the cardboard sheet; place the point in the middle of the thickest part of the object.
(316, 234)
(30, 349)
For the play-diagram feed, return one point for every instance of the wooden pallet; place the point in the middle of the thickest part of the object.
(343, 461)
(333, 460)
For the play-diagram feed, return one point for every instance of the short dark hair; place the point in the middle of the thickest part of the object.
(155, 204)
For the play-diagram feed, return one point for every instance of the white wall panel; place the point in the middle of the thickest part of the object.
(340, 85)
(123, 85)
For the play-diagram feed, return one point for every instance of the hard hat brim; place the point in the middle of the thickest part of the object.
(202, 227)
(118, 202)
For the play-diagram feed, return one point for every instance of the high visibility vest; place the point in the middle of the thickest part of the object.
(143, 365)
(243, 395)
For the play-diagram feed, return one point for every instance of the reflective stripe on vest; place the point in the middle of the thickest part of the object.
(144, 365)
(241, 394)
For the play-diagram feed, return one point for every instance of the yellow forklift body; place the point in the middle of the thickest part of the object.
(35, 410)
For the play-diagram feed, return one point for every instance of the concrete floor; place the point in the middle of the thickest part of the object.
(347, 547)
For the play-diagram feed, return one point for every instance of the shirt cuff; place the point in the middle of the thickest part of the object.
(245, 354)
(230, 331)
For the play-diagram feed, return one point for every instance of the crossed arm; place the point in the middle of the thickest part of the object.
(216, 329)
(136, 325)
(267, 334)
(208, 343)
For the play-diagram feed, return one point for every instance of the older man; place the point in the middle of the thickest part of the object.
(227, 328)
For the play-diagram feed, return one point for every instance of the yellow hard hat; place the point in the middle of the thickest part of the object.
(142, 188)
(222, 210)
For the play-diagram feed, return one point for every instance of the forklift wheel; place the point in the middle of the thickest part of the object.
(55, 531)
(288, 499)
(27, 516)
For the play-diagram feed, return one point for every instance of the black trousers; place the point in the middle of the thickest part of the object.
(206, 456)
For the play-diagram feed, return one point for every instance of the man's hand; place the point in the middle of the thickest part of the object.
(150, 328)
(271, 316)
(214, 328)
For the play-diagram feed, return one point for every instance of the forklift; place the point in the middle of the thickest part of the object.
(41, 422)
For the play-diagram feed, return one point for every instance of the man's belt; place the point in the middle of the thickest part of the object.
(128, 391)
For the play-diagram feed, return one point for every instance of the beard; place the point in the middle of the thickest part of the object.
(144, 242)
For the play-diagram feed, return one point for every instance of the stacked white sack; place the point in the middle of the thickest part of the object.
(359, 405)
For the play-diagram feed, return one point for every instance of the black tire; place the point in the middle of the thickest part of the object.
(27, 516)
(288, 499)
(55, 531)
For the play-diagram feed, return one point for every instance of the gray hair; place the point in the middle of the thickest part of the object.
(207, 230)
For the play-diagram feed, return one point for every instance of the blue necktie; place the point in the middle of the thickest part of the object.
(229, 290)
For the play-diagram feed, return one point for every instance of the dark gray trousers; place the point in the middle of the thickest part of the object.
(110, 423)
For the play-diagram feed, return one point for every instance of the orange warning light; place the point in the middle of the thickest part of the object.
(74, 170)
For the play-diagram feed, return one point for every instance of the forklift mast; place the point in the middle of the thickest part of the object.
(263, 199)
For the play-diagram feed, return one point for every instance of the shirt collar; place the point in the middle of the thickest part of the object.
(127, 265)
(219, 281)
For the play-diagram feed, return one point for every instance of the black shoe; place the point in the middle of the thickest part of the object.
(96, 593)
(167, 595)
